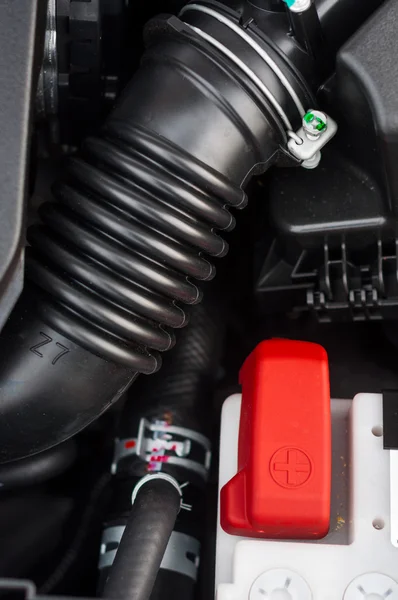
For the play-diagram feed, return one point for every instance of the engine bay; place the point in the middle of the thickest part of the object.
(199, 299)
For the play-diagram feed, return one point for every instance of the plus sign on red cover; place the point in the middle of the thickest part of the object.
(282, 487)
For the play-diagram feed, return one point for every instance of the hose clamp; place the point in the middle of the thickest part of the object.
(299, 145)
(159, 444)
(243, 34)
(182, 553)
(151, 477)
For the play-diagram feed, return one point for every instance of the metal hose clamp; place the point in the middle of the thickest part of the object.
(151, 477)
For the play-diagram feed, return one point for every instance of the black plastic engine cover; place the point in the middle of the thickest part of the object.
(19, 38)
(336, 244)
(367, 91)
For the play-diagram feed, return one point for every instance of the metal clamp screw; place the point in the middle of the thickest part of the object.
(316, 130)
(315, 123)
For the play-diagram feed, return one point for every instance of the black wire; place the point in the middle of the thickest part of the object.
(82, 530)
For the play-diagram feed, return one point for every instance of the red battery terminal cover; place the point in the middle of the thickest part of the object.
(283, 485)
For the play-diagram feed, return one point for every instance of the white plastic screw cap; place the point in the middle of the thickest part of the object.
(280, 584)
(372, 586)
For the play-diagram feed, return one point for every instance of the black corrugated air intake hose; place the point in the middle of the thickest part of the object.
(135, 221)
(39, 468)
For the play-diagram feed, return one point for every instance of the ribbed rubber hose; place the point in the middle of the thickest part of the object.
(133, 228)
(111, 224)
(144, 542)
(183, 388)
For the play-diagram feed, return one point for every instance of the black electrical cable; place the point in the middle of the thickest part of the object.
(144, 541)
(83, 529)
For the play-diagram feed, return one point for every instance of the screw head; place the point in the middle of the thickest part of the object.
(315, 124)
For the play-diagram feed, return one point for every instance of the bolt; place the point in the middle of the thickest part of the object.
(315, 124)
